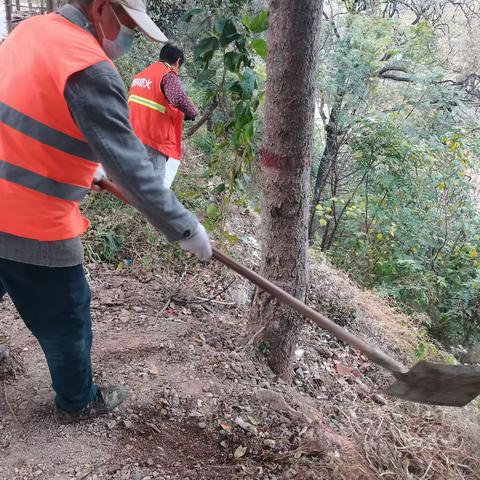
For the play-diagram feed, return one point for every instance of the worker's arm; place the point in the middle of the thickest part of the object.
(97, 102)
(173, 91)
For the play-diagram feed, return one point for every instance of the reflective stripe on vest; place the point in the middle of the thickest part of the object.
(43, 133)
(32, 180)
(147, 103)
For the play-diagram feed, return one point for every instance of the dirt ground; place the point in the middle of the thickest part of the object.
(202, 405)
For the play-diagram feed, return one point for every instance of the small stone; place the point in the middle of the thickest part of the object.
(128, 424)
(269, 443)
(124, 316)
(397, 418)
(37, 473)
(111, 424)
(224, 444)
(380, 399)
(164, 412)
(324, 352)
(174, 399)
(299, 353)
(202, 425)
(236, 356)
(248, 427)
(137, 309)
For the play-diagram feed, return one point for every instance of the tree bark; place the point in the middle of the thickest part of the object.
(293, 43)
(50, 6)
(8, 15)
(329, 156)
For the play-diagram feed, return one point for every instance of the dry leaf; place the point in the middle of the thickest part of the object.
(347, 371)
(253, 421)
(226, 426)
(240, 452)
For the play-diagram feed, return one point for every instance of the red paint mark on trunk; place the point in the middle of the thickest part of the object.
(279, 162)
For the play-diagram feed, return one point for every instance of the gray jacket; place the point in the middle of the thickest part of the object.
(97, 101)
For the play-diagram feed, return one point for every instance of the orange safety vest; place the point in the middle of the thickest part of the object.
(46, 165)
(155, 121)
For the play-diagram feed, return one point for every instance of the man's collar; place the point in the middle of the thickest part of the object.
(77, 17)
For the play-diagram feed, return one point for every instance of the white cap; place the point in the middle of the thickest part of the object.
(137, 10)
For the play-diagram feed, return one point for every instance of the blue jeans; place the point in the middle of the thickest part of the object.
(54, 303)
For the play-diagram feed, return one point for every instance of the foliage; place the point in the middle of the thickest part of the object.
(119, 234)
(399, 211)
(228, 68)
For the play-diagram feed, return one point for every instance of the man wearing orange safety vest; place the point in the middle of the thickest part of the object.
(63, 109)
(158, 106)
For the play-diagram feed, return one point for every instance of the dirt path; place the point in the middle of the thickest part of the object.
(201, 407)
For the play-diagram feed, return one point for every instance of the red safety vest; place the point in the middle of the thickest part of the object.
(155, 121)
(46, 165)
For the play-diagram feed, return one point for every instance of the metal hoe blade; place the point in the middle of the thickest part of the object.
(435, 384)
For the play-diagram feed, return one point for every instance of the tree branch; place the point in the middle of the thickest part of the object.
(208, 113)
(396, 78)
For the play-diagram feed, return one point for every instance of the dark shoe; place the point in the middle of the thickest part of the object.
(107, 399)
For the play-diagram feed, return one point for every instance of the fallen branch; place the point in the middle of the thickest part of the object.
(201, 300)
(252, 338)
(174, 290)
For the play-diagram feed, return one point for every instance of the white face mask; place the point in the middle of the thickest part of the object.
(120, 45)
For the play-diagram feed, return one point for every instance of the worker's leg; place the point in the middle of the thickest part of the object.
(171, 169)
(158, 161)
(55, 305)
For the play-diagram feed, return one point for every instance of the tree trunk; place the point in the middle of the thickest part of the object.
(8, 15)
(293, 41)
(50, 6)
(329, 156)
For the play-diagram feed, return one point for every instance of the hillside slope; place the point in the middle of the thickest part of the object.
(202, 405)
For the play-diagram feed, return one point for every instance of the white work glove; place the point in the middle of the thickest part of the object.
(198, 244)
(100, 174)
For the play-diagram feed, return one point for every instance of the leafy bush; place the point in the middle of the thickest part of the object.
(399, 208)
